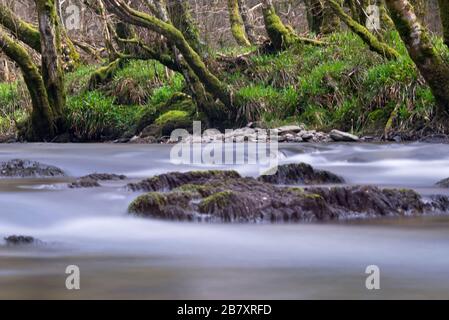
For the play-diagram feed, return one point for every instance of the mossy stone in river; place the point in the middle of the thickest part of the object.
(168, 206)
(443, 183)
(301, 173)
(18, 168)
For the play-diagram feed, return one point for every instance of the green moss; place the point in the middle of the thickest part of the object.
(218, 201)
(196, 190)
(172, 116)
(237, 26)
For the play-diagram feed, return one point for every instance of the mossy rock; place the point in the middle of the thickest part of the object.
(177, 102)
(170, 206)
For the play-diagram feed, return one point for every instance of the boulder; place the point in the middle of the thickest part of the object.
(247, 200)
(443, 183)
(169, 181)
(91, 180)
(290, 129)
(15, 240)
(340, 136)
(300, 173)
(28, 169)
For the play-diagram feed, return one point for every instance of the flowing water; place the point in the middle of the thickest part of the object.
(124, 257)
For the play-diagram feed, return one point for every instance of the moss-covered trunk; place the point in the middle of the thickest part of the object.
(237, 26)
(444, 14)
(42, 119)
(182, 19)
(30, 35)
(212, 84)
(314, 9)
(22, 30)
(419, 45)
(52, 68)
(280, 35)
(248, 21)
(374, 44)
(331, 21)
(420, 8)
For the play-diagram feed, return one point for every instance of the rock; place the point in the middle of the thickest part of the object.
(20, 240)
(84, 183)
(91, 180)
(301, 173)
(62, 138)
(435, 138)
(307, 136)
(105, 177)
(139, 140)
(173, 180)
(443, 183)
(28, 169)
(247, 200)
(9, 138)
(290, 129)
(340, 136)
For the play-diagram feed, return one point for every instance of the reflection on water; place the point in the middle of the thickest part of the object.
(124, 257)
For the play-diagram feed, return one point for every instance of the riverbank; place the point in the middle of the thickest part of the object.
(344, 86)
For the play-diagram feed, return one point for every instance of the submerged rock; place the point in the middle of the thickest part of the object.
(169, 181)
(91, 180)
(340, 136)
(15, 240)
(226, 197)
(443, 183)
(28, 169)
(301, 173)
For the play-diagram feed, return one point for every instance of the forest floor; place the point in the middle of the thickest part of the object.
(341, 86)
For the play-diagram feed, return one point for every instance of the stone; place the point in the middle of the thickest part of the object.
(443, 183)
(18, 168)
(228, 198)
(340, 136)
(301, 173)
(16, 240)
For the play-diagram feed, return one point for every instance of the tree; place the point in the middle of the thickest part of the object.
(30, 35)
(46, 86)
(444, 13)
(247, 21)
(419, 45)
(280, 35)
(237, 26)
(371, 40)
(211, 83)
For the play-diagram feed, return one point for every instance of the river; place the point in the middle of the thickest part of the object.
(122, 257)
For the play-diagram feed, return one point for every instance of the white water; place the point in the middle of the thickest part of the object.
(125, 257)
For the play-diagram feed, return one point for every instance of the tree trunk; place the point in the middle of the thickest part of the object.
(420, 8)
(29, 34)
(444, 14)
(42, 121)
(52, 70)
(237, 26)
(248, 21)
(183, 20)
(331, 21)
(373, 43)
(314, 9)
(193, 59)
(22, 30)
(281, 36)
(419, 45)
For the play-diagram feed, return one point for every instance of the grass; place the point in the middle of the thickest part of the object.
(343, 85)
(93, 116)
(13, 106)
